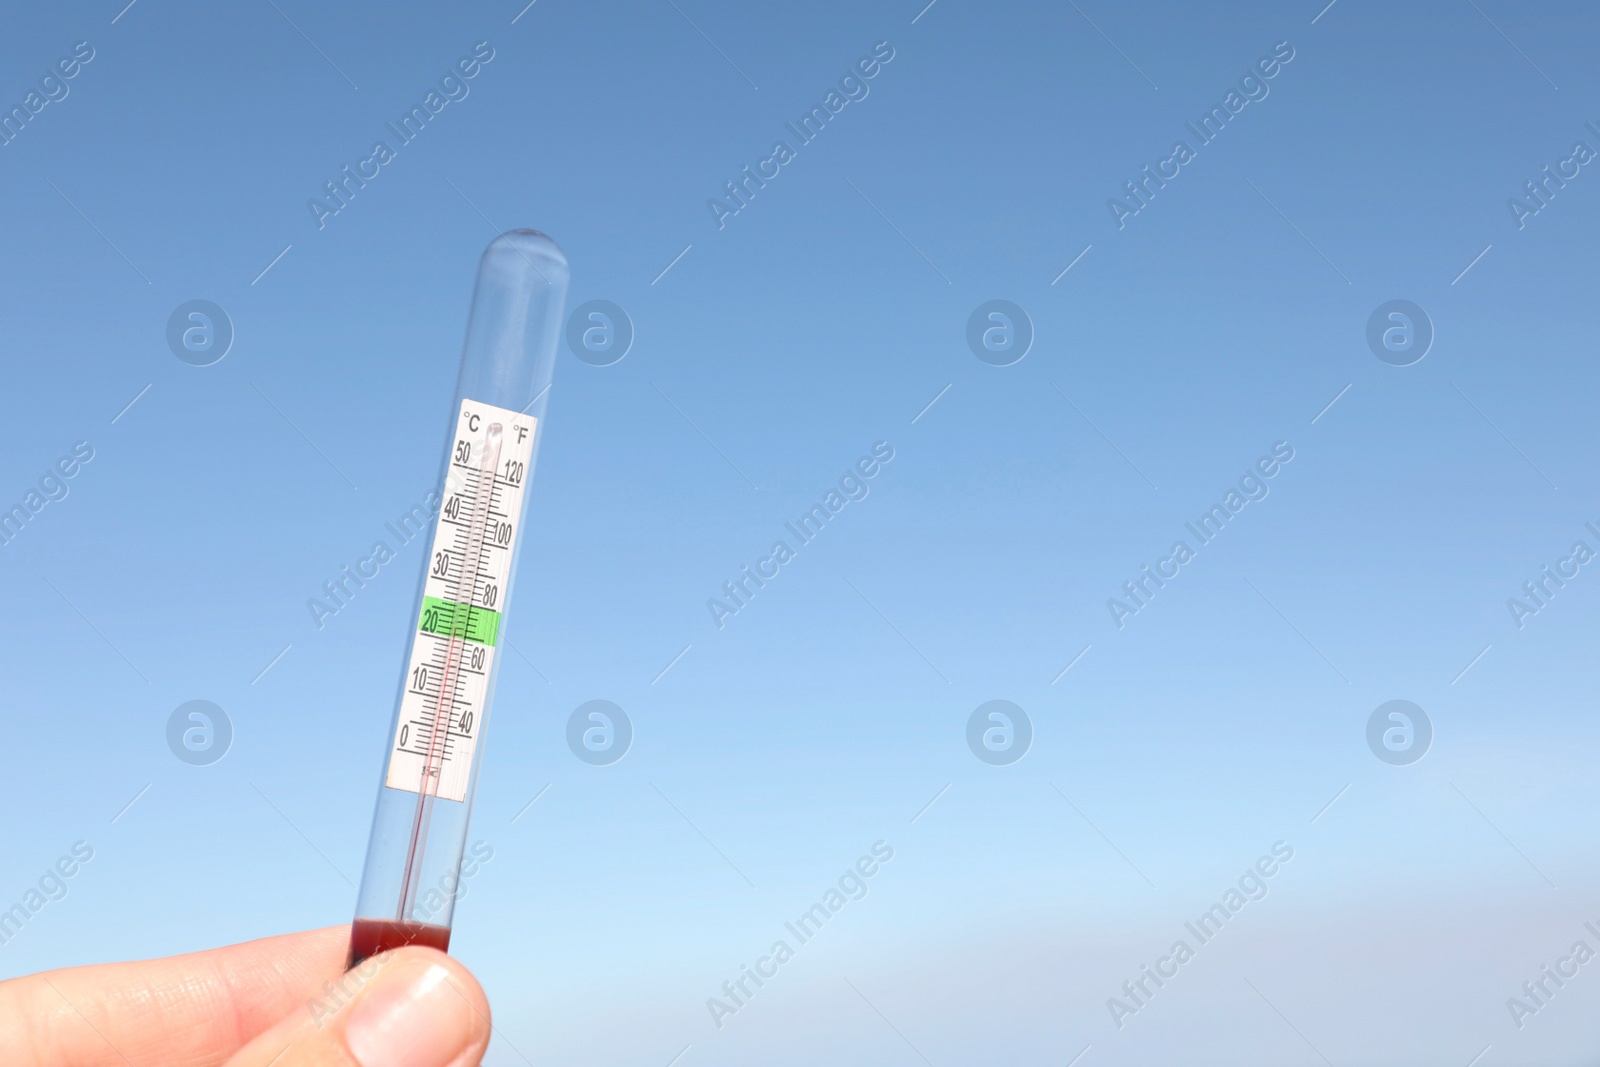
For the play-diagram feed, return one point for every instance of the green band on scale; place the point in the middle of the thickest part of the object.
(449, 619)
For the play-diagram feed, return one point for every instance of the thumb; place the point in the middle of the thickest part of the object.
(414, 1007)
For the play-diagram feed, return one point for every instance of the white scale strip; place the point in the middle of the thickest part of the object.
(458, 631)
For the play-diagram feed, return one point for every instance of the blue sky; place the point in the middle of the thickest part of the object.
(770, 354)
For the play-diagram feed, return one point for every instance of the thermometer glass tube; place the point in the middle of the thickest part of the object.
(453, 652)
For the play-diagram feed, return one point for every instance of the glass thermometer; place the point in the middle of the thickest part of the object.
(435, 742)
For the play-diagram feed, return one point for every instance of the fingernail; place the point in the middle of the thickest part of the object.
(413, 1018)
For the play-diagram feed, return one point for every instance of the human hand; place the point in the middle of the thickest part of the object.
(277, 1002)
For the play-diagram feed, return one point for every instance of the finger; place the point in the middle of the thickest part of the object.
(415, 1007)
(194, 1010)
